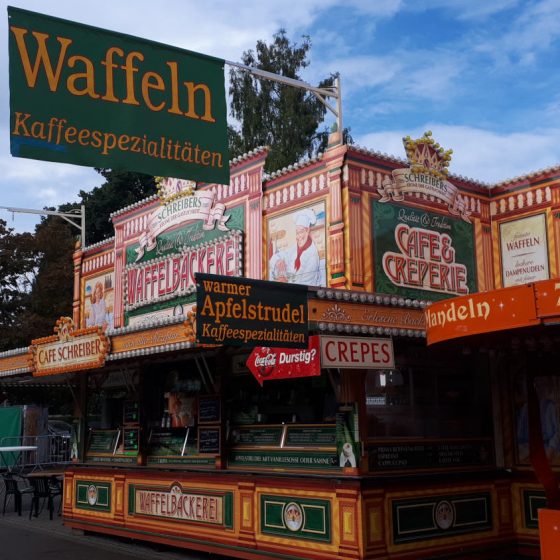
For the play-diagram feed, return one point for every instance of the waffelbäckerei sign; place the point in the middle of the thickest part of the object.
(242, 311)
(83, 95)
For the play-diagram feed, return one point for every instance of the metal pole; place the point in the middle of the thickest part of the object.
(320, 93)
(71, 217)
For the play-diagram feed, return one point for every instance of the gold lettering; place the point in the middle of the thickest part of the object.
(41, 58)
(147, 84)
(88, 76)
(192, 88)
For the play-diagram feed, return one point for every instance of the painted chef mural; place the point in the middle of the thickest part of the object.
(297, 244)
(418, 253)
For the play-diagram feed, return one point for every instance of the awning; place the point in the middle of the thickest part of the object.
(494, 311)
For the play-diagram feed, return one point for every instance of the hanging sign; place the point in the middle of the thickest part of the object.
(267, 363)
(87, 96)
(69, 349)
(356, 353)
(242, 311)
(508, 308)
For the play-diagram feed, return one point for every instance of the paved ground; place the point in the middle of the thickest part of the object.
(22, 538)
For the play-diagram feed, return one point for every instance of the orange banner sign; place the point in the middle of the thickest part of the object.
(547, 293)
(508, 308)
(69, 349)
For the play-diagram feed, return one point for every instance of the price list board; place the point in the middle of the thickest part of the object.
(209, 440)
(256, 436)
(102, 442)
(131, 440)
(209, 409)
(310, 436)
(131, 413)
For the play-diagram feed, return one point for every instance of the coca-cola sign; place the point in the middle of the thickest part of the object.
(268, 363)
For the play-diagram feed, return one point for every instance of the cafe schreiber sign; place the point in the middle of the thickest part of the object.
(69, 349)
(87, 96)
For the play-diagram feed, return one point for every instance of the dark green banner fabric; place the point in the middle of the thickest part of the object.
(87, 96)
(10, 430)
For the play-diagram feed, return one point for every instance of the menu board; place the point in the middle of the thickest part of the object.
(102, 441)
(209, 409)
(209, 439)
(131, 412)
(310, 436)
(167, 441)
(131, 440)
(424, 455)
(256, 435)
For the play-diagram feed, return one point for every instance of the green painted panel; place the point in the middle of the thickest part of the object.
(93, 495)
(533, 500)
(296, 517)
(440, 516)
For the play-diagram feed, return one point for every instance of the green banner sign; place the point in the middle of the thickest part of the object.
(87, 96)
(420, 254)
(242, 311)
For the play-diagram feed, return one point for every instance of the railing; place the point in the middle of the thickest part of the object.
(49, 450)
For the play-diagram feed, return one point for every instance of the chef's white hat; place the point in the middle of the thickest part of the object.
(305, 218)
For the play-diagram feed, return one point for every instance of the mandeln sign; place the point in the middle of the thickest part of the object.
(83, 95)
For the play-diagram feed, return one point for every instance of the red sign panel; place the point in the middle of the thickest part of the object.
(508, 308)
(268, 363)
(547, 294)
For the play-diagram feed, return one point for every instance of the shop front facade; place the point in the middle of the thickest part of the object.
(353, 438)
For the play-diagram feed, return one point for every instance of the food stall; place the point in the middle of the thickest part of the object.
(254, 372)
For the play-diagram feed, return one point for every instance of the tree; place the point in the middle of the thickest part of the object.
(51, 288)
(271, 114)
(121, 188)
(17, 263)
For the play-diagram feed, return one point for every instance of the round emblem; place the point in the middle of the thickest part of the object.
(293, 516)
(444, 515)
(92, 495)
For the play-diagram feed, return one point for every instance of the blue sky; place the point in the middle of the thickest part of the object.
(481, 75)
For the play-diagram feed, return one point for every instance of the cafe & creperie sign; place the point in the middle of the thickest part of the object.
(69, 349)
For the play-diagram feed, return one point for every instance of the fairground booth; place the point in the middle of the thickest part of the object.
(253, 372)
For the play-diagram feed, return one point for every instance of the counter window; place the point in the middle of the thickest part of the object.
(426, 395)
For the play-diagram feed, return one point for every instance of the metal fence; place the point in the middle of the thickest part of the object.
(24, 453)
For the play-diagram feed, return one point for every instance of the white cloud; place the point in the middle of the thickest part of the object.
(482, 155)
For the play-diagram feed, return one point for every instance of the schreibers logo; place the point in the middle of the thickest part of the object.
(293, 516)
(92, 495)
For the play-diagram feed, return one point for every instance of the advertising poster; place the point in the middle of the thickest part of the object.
(524, 250)
(99, 301)
(297, 248)
(160, 274)
(422, 255)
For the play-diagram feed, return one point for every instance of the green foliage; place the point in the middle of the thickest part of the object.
(51, 293)
(271, 114)
(120, 189)
(17, 262)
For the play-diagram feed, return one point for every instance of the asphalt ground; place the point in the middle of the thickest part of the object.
(22, 538)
